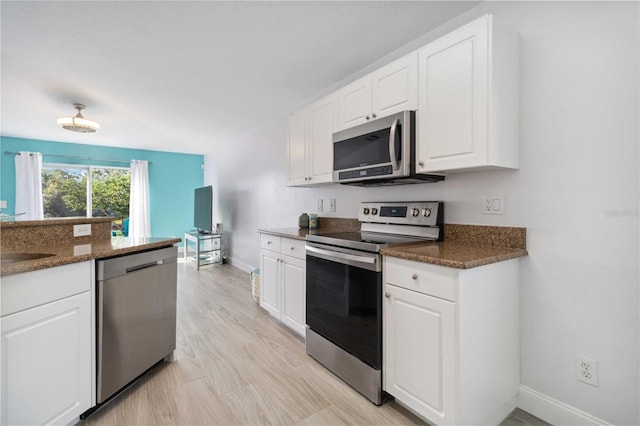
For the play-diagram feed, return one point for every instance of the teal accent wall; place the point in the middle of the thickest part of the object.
(172, 177)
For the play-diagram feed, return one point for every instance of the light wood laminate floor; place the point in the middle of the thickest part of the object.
(235, 365)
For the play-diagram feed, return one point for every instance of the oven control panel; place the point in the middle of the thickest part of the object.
(424, 213)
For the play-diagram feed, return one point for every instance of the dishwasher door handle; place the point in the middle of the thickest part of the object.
(144, 266)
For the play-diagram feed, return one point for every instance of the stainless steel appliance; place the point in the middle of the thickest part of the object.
(136, 316)
(380, 152)
(344, 288)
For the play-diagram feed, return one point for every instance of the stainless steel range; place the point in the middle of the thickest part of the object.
(344, 288)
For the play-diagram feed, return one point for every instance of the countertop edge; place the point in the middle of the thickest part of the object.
(481, 260)
(60, 260)
(286, 233)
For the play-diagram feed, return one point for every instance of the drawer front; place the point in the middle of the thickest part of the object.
(29, 289)
(215, 256)
(210, 244)
(270, 242)
(434, 280)
(294, 248)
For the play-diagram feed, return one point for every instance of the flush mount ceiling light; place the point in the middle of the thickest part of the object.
(78, 123)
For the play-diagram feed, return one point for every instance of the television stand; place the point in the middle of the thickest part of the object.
(208, 248)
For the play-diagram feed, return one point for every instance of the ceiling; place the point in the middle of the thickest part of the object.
(186, 76)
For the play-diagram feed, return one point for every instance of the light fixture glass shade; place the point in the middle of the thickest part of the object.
(78, 123)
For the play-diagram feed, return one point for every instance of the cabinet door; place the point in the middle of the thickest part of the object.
(419, 352)
(322, 123)
(46, 362)
(453, 100)
(355, 103)
(269, 275)
(293, 294)
(395, 86)
(296, 149)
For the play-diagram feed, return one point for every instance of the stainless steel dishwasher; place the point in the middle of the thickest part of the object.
(136, 316)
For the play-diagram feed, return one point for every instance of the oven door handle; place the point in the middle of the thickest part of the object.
(392, 144)
(367, 262)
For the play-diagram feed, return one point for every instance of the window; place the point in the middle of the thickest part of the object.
(86, 191)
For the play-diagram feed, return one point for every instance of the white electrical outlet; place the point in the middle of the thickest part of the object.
(587, 370)
(320, 205)
(3, 204)
(82, 230)
(493, 204)
(332, 205)
(81, 249)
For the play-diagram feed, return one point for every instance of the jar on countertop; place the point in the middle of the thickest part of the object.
(313, 221)
(303, 221)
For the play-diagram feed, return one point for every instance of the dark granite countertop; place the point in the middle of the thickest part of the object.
(464, 246)
(293, 233)
(70, 253)
(453, 254)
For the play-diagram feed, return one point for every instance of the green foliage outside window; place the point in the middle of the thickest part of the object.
(64, 192)
(111, 192)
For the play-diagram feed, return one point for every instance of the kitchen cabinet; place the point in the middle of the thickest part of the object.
(47, 341)
(468, 99)
(451, 340)
(282, 281)
(390, 89)
(310, 145)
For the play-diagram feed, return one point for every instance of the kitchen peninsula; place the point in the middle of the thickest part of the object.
(48, 317)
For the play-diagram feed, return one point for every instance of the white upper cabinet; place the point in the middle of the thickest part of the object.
(468, 99)
(392, 88)
(310, 145)
(296, 149)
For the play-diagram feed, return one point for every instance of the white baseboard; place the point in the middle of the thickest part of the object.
(553, 411)
(240, 265)
(502, 412)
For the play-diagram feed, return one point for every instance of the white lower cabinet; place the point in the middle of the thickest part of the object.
(451, 340)
(282, 280)
(47, 349)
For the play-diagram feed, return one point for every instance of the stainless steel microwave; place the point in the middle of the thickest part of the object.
(380, 152)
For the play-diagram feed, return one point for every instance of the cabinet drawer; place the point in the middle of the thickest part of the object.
(434, 280)
(30, 289)
(210, 244)
(294, 248)
(270, 242)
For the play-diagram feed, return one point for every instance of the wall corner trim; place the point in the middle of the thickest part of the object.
(554, 411)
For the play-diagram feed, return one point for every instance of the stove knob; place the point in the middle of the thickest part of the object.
(426, 212)
(374, 211)
(365, 210)
(415, 212)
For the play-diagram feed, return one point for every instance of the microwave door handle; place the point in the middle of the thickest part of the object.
(392, 144)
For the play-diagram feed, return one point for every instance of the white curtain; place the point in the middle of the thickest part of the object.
(139, 215)
(29, 186)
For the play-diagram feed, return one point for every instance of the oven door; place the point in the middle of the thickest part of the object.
(344, 299)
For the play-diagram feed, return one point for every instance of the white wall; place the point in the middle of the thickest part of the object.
(576, 192)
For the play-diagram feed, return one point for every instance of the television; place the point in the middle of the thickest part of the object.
(202, 208)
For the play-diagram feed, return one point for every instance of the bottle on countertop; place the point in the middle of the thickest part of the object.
(303, 221)
(313, 221)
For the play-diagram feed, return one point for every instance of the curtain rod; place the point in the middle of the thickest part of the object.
(77, 157)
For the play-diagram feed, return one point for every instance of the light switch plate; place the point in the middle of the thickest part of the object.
(82, 230)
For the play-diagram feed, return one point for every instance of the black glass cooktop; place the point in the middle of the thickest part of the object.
(367, 241)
